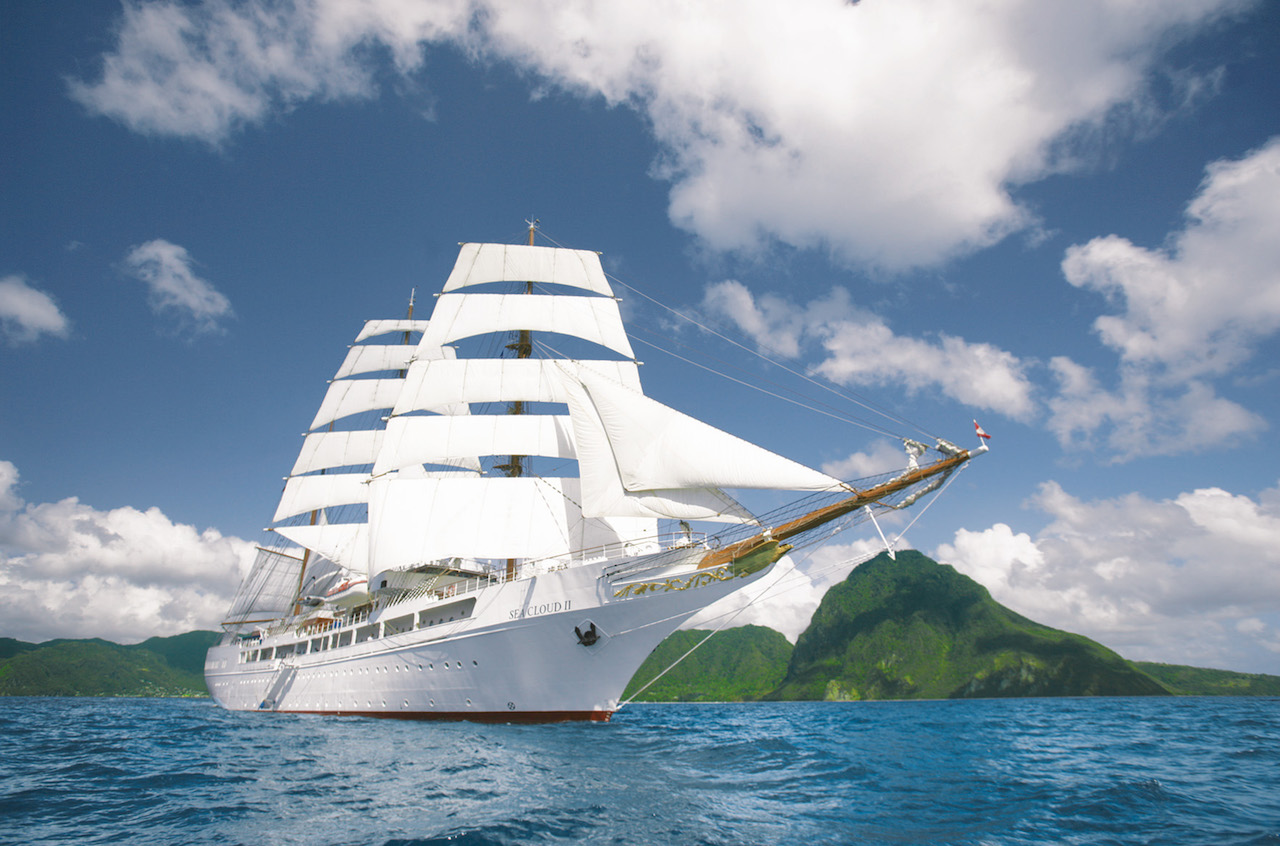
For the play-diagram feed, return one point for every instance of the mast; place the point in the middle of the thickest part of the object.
(315, 514)
(523, 348)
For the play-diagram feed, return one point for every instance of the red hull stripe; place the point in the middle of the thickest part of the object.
(469, 716)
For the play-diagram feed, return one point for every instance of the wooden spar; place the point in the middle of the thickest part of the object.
(247, 622)
(523, 348)
(824, 515)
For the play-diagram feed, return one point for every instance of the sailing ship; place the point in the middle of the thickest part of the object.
(489, 520)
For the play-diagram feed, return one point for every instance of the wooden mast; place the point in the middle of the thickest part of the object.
(523, 347)
(306, 555)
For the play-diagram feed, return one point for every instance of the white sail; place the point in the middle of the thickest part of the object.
(414, 521)
(439, 439)
(654, 446)
(593, 319)
(370, 358)
(354, 396)
(440, 385)
(602, 491)
(374, 328)
(481, 263)
(323, 450)
(346, 544)
(310, 493)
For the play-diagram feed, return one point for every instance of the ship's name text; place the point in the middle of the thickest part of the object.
(538, 610)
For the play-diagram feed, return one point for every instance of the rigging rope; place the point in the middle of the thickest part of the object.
(844, 394)
(775, 588)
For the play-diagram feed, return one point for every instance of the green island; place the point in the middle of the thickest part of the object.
(909, 628)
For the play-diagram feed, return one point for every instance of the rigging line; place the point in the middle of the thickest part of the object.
(951, 478)
(833, 414)
(843, 393)
(728, 617)
(730, 364)
(815, 409)
(851, 396)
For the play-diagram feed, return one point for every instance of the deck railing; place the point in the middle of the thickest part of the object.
(617, 549)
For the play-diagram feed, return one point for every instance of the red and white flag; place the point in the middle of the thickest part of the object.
(978, 429)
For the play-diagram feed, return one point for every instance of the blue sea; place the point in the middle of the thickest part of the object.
(1022, 771)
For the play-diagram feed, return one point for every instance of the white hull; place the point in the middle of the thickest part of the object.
(514, 657)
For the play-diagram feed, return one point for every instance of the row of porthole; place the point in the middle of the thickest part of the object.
(369, 704)
(365, 670)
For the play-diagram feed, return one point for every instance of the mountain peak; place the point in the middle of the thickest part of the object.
(912, 628)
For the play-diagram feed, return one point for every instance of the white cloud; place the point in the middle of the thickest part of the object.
(1146, 415)
(1190, 312)
(861, 349)
(1199, 304)
(9, 499)
(1191, 580)
(174, 289)
(26, 313)
(890, 132)
(69, 570)
(786, 599)
(883, 457)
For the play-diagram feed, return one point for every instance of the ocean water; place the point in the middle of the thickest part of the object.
(1026, 771)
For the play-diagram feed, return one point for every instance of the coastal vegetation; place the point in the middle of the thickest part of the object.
(159, 666)
(909, 628)
(735, 665)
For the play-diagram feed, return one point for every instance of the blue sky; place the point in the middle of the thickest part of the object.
(1058, 221)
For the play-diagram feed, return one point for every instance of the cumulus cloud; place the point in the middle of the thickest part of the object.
(889, 132)
(70, 570)
(859, 348)
(786, 598)
(1144, 415)
(1199, 304)
(174, 290)
(27, 313)
(883, 457)
(1188, 312)
(1190, 580)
